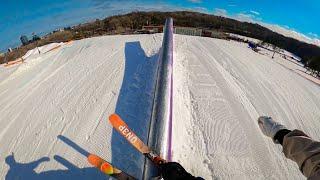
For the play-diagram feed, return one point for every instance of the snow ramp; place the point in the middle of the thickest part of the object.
(54, 107)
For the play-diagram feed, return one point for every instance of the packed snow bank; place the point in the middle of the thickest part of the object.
(55, 106)
(42, 49)
(221, 87)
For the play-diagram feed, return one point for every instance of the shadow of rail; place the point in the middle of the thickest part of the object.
(134, 105)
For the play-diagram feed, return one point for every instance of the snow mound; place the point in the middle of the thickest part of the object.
(42, 49)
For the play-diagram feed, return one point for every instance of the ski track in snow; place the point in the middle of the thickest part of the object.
(56, 105)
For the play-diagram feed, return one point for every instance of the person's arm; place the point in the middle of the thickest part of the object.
(297, 146)
(300, 148)
(36, 163)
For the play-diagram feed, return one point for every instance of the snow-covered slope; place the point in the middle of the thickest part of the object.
(66, 96)
(54, 108)
(222, 87)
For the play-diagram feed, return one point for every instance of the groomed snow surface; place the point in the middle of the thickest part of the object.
(54, 108)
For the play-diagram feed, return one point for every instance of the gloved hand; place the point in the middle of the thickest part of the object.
(269, 127)
(174, 171)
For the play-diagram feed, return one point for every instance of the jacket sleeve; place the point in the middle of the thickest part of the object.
(300, 148)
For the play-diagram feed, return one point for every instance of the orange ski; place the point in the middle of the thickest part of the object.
(126, 132)
(133, 139)
(107, 168)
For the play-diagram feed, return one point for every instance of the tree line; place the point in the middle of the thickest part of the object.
(309, 53)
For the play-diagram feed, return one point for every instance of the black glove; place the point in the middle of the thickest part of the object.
(174, 171)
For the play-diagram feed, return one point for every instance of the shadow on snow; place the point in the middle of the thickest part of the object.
(19, 171)
(134, 105)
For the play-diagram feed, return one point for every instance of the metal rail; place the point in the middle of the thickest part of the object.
(160, 130)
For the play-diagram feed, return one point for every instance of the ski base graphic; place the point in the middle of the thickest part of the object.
(133, 139)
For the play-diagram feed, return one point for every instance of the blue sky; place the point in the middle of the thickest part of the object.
(19, 17)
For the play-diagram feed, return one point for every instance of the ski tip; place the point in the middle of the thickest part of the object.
(108, 169)
(114, 117)
(101, 164)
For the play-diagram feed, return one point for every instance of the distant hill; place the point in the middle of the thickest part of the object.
(304, 50)
(126, 24)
